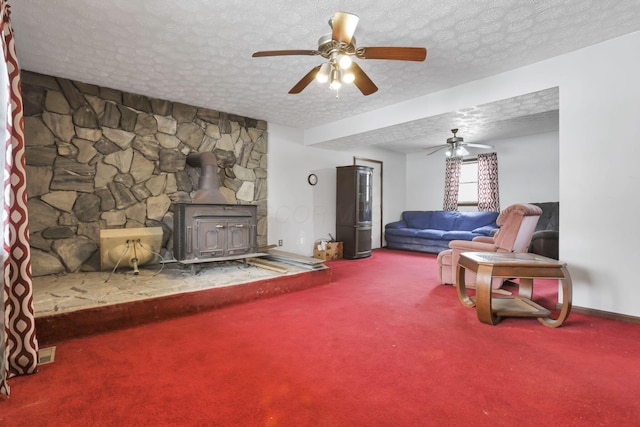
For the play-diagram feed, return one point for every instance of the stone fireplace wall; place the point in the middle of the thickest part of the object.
(99, 158)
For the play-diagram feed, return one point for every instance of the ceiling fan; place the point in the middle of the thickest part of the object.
(456, 146)
(339, 47)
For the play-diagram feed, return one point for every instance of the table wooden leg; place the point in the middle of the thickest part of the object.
(567, 296)
(462, 288)
(483, 295)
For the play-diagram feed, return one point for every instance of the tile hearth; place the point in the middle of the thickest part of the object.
(65, 293)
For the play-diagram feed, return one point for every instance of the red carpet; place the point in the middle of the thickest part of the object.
(383, 345)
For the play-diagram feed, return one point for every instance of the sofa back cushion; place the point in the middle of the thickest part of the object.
(449, 220)
(468, 221)
(417, 219)
(444, 220)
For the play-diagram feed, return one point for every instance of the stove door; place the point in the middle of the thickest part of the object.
(210, 237)
(238, 236)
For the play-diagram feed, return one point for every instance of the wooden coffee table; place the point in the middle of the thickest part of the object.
(523, 266)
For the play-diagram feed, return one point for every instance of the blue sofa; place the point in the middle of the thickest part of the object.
(431, 231)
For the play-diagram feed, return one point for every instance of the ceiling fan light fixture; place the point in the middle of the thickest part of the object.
(338, 47)
(323, 73)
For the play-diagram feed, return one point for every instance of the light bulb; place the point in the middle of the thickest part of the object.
(461, 151)
(323, 73)
(348, 77)
(336, 79)
(345, 62)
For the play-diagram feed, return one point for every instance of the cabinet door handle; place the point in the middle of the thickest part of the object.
(219, 225)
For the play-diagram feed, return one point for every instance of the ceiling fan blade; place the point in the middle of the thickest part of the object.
(283, 53)
(304, 82)
(395, 53)
(437, 149)
(479, 146)
(362, 81)
(344, 25)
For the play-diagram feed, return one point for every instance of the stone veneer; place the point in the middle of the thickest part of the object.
(103, 158)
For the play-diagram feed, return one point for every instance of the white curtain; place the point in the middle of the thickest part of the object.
(18, 343)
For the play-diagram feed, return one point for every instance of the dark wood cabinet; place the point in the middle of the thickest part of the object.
(353, 210)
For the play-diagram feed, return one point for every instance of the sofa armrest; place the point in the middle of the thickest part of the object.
(546, 234)
(545, 243)
(396, 224)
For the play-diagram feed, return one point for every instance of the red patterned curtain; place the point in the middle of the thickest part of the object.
(19, 346)
(451, 183)
(488, 195)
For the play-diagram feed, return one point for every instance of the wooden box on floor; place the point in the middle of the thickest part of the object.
(332, 251)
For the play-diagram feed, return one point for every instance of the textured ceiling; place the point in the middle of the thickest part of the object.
(519, 116)
(199, 52)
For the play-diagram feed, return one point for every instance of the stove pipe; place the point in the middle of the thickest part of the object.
(208, 184)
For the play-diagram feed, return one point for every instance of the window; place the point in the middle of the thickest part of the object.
(468, 185)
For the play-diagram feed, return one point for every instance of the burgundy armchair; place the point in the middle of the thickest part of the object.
(517, 224)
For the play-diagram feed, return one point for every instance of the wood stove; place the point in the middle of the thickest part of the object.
(209, 229)
(204, 231)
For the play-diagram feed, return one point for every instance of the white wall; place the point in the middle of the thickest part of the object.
(598, 148)
(529, 168)
(425, 182)
(299, 213)
(599, 177)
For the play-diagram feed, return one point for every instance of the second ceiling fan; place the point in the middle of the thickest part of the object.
(456, 146)
(338, 47)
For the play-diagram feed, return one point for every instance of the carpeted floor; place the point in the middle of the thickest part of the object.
(383, 345)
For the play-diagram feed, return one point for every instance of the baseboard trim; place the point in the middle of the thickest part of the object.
(605, 314)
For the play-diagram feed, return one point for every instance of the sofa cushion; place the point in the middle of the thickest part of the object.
(458, 235)
(444, 220)
(405, 232)
(472, 220)
(417, 219)
(430, 233)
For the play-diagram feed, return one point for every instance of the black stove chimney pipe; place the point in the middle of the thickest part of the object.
(208, 184)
